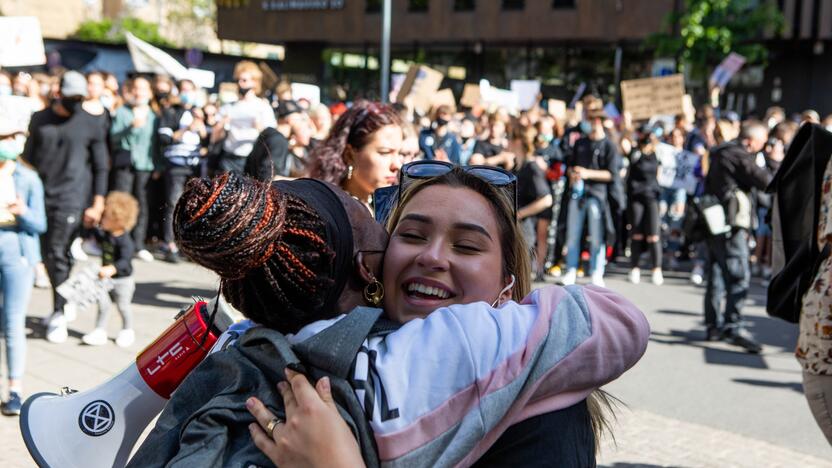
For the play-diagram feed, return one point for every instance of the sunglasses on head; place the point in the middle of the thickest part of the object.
(428, 169)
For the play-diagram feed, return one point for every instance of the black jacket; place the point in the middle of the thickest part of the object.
(732, 167)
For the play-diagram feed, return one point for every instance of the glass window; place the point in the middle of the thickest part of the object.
(563, 3)
(373, 6)
(514, 4)
(417, 5)
(464, 5)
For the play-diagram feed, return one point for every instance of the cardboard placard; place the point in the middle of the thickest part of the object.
(557, 109)
(647, 97)
(471, 95)
(420, 84)
(444, 97)
(527, 92)
(19, 109)
(21, 43)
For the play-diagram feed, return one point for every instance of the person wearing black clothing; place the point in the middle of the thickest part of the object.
(182, 133)
(492, 150)
(437, 142)
(593, 165)
(643, 194)
(534, 195)
(68, 147)
(733, 174)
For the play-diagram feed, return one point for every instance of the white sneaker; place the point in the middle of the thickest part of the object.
(70, 312)
(635, 276)
(598, 280)
(97, 337)
(41, 279)
(570, 277)
(56, 329)
(125, 338)
(77, 251)
(145, 255)
(658, 278)
(697, 275)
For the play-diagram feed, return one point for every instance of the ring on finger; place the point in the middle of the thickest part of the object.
(272, 424)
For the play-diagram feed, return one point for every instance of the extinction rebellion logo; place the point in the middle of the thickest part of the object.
(97, 418)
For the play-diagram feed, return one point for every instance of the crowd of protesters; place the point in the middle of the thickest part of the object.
(592, 189)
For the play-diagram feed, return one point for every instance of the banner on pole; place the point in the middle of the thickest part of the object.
(726, 70)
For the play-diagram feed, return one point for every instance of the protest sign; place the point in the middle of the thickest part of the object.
(578, 93)
(497, 97)
(444, 97)
(527, 92)
(726, 70)
(557, 109)
(646, 97)
(470, 95)
(21, 43)
(17, 108)
(84, 288)
(310, 92)
(420, 84)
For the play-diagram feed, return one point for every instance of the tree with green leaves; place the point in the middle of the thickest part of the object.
(193, 19)
(706, 31)
(113, 32)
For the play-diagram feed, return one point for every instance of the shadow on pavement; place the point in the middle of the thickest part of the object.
(714, 352)
(796, 386)
(148, 294)
(679, 312)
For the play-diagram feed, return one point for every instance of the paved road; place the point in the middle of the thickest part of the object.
(688, 403)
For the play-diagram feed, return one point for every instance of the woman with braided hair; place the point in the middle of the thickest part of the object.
(361, 153)
(238, 226)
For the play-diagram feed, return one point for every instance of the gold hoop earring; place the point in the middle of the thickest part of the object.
(349, 172)
(374, 293)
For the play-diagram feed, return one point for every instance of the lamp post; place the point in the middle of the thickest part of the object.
(385, 51)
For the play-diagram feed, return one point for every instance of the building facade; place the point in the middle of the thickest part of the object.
(565, 43)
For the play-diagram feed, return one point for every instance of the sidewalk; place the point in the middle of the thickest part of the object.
(644, 439)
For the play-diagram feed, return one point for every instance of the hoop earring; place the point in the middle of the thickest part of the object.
(374, 293)
(349, 172)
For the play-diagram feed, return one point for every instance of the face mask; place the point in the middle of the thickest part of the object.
(585, 127)
(141, 102)
(829, 128)
(162, 95)
(244, 91)
(107, 101)
(5, 90)
(507, 288)
(10, 148)
(548, 138)
(188, 98)
(440, 122)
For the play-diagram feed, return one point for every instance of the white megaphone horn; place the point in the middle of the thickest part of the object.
(98, 427)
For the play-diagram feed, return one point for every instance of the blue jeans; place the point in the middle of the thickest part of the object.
(16, 278)
(591, 211)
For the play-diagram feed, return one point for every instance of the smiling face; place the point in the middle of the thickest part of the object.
(444, 250)
(377, 163)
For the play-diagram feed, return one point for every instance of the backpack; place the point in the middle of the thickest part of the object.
(795, 211)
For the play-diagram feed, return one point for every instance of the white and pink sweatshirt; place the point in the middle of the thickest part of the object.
(439, 391)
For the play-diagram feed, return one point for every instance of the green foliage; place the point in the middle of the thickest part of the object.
(711, 29)
(111, 32)
(192, 19)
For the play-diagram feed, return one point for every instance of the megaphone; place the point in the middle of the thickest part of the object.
(99, 427)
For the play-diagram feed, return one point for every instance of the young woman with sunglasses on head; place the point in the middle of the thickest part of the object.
(361, 153)
(438, 258)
